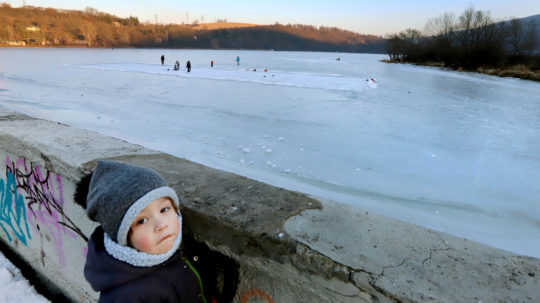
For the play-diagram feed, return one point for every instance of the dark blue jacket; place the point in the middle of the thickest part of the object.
(171, 281)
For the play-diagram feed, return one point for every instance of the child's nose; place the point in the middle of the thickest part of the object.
(160, 226)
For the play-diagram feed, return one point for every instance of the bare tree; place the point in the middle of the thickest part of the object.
(91, 11)
(442, 26)
(405, 45)
(476, 30)
(89, 32)
(481, 32)
(465, 27)
(394, 47)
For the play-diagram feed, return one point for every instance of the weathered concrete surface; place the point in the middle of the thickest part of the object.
(60, 146)
(244, 214)
(41, 163)
(290, 247)
(411, 263)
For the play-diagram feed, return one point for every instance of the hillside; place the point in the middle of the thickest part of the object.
(48, 27)
(221, 25)
(536, 20)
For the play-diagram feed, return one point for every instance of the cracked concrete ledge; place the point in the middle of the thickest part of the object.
(59, 145)
(408, 263)
(290, 247)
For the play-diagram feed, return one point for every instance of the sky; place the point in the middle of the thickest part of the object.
(365, 17)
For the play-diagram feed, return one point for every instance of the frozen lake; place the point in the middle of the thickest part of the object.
(456, 152)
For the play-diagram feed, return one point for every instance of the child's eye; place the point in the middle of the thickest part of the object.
(165, 209)
(141, 221)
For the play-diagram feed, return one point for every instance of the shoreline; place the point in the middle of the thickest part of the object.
(182, 48)
(519, 71)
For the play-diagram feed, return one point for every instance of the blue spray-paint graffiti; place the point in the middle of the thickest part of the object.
(13, 210)
(44, 194)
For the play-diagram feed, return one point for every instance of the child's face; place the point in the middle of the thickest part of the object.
(155, 228)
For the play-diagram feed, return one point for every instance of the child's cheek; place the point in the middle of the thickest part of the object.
(142, 243)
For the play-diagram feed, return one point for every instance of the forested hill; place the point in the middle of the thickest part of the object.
(48, 27)
(535, 20)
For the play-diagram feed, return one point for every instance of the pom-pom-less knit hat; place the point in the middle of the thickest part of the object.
(118, 192)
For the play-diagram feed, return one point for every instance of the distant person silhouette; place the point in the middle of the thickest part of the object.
(176, 65)
(188, 66)
(162, 59)
(237, 60)
(212, 63)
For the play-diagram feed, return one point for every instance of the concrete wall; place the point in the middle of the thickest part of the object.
(290, 247)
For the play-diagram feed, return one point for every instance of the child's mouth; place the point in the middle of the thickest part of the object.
(165, 238)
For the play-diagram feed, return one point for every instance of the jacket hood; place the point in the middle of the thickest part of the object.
(104, 272)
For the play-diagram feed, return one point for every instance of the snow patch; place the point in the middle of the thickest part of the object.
(280, 78)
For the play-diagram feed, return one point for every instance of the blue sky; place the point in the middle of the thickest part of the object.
(368, 17)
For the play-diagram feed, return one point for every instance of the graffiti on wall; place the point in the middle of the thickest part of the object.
(13, 210)
(44, 195)
(256, 293)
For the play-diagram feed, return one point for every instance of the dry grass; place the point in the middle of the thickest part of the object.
(429, 63)
(516, 71)
(434, 63)
(222, 25)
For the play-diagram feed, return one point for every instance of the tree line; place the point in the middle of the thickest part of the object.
(469, 41)
(36, 26)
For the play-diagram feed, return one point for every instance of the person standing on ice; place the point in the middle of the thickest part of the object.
(237, 60)
(162, 59)
(211, 63)
(188, 66)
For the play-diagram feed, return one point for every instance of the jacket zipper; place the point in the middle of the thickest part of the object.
(198, 278)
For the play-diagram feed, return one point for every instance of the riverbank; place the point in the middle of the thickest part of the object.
(516, 71)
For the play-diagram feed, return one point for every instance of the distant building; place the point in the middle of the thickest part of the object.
(15, 43)
(81, 43)
(33, 28)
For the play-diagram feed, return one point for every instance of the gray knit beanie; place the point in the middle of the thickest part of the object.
(118, 192)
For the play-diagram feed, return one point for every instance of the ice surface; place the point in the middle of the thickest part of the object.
(249, 74)
(456, 152)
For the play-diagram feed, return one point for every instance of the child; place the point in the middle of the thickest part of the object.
(134, 255)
